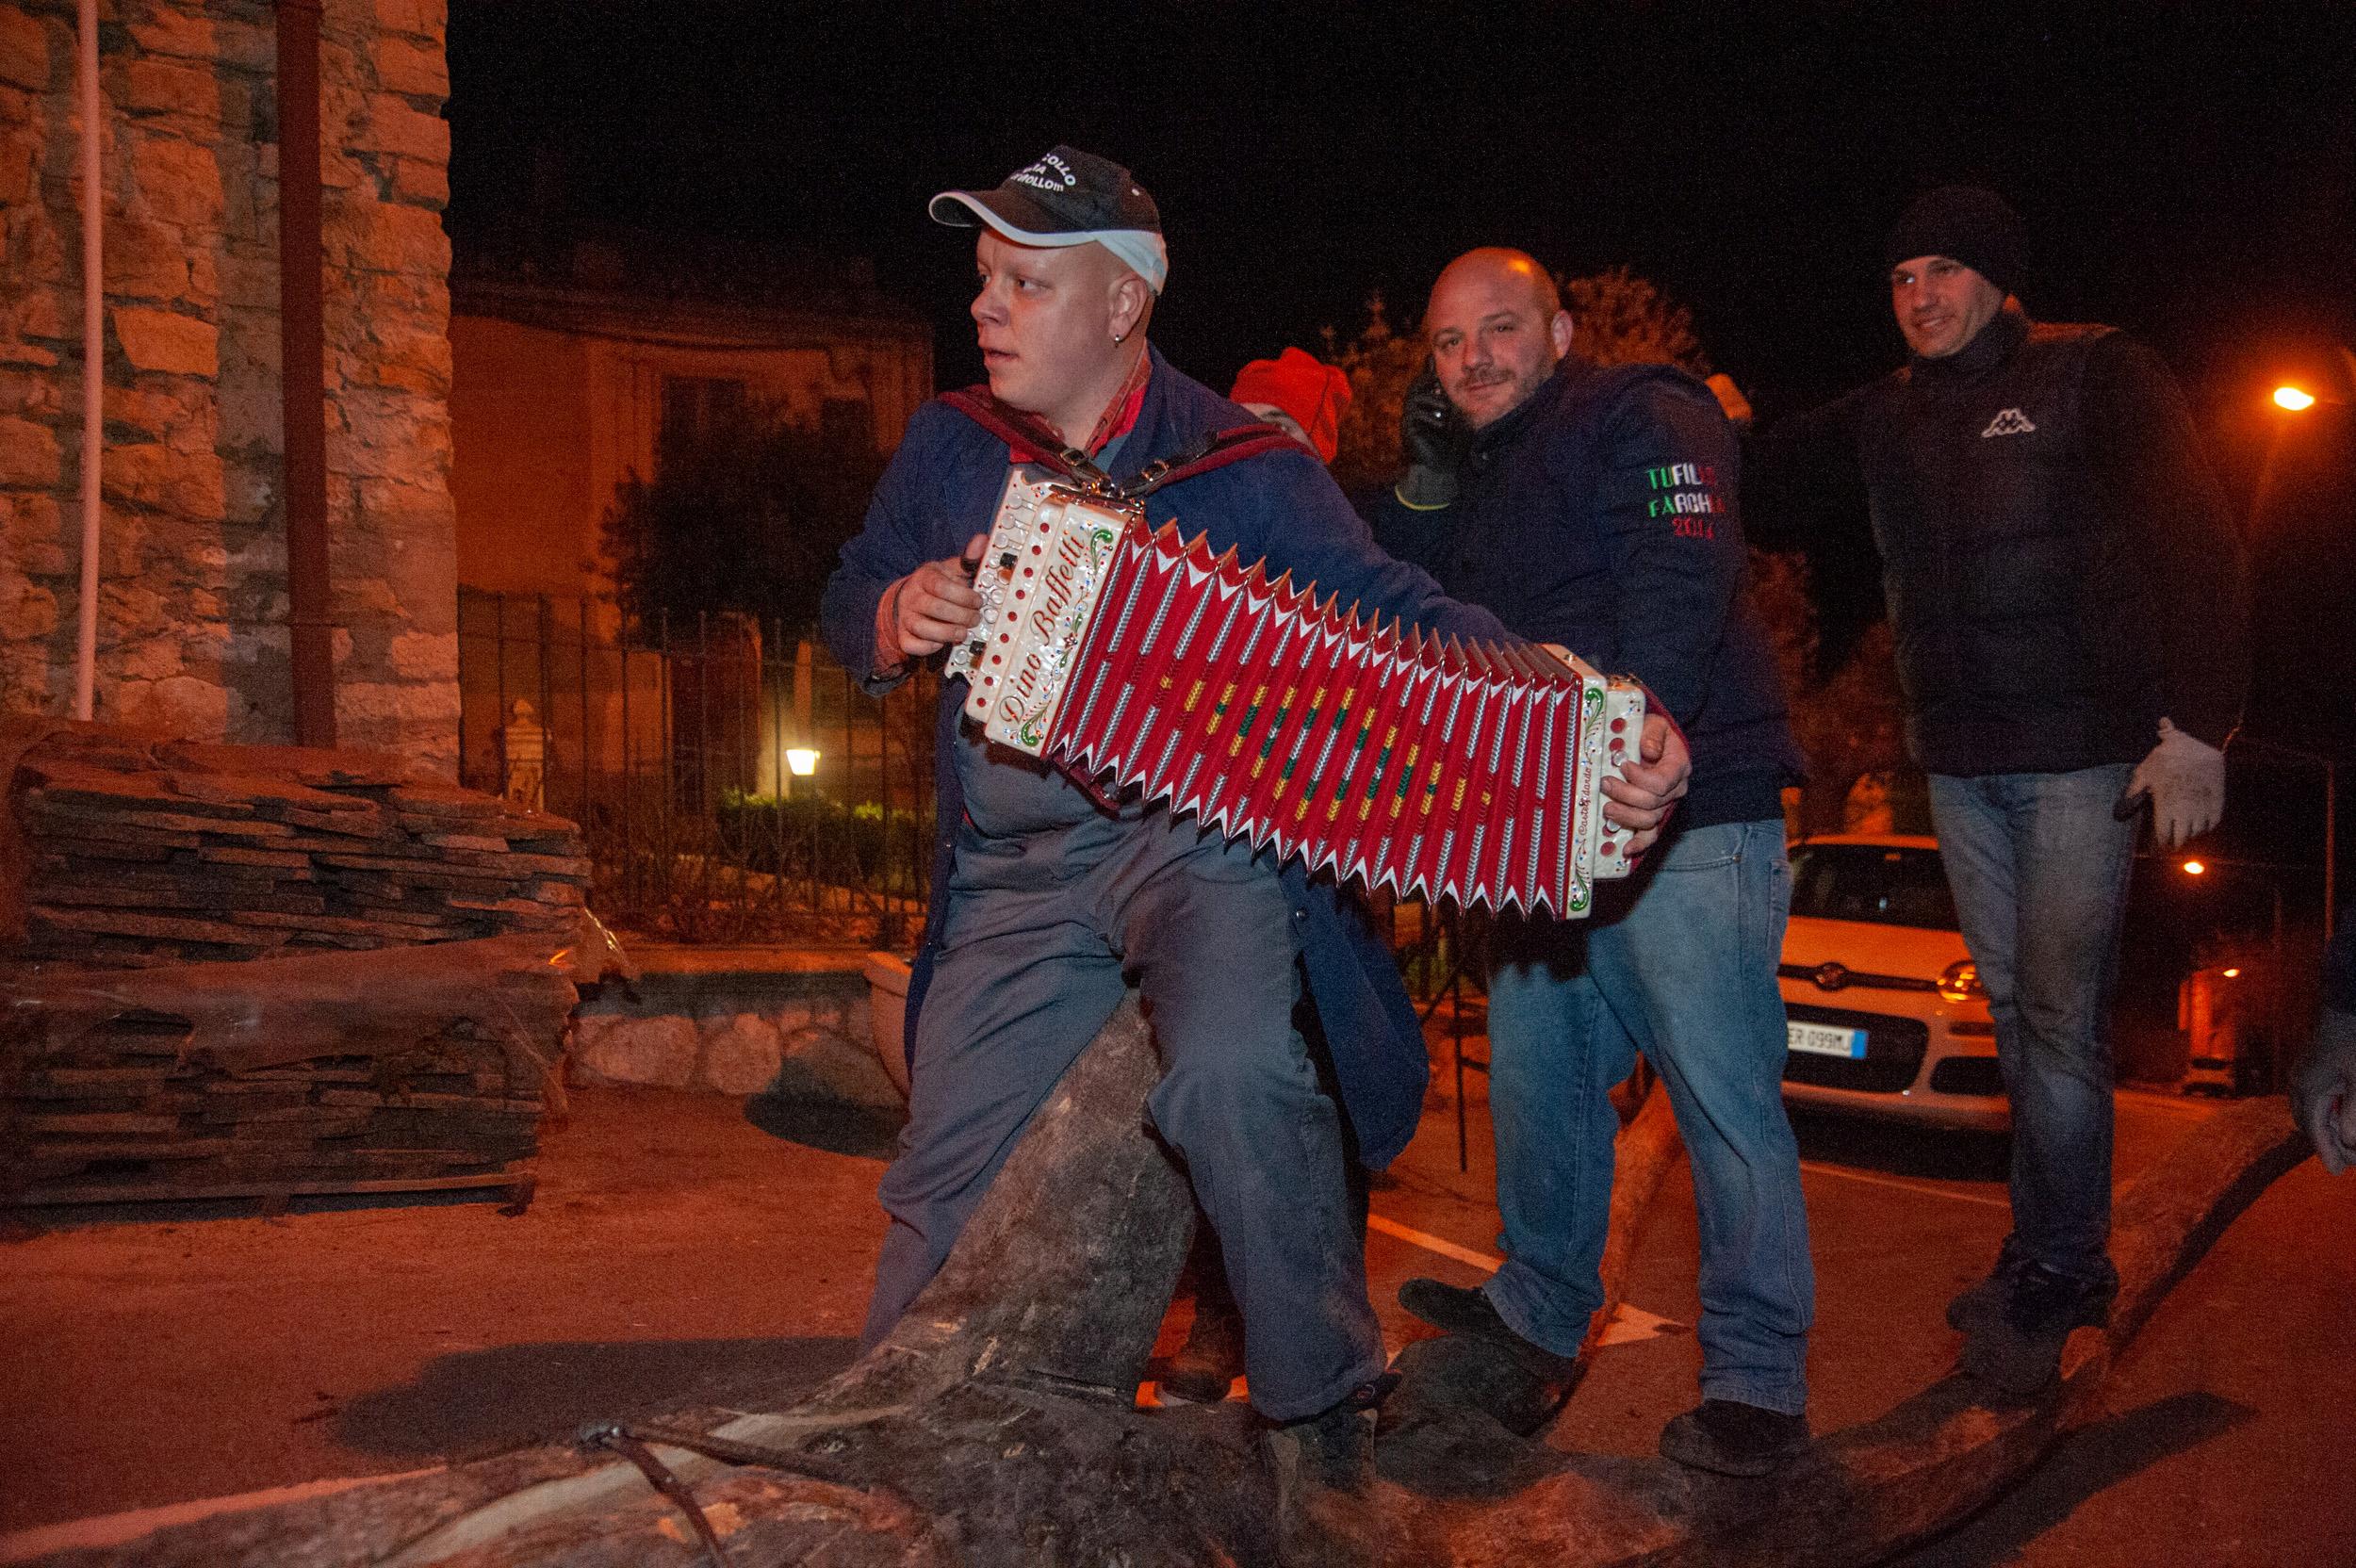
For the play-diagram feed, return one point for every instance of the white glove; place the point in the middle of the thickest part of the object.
(2185, 780)
(2323, 1095)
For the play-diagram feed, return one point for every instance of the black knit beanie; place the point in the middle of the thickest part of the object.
(1968, 225)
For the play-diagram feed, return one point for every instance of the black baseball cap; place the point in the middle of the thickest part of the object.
(1069, 197)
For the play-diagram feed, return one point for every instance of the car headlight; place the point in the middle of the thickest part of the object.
(1960, 981)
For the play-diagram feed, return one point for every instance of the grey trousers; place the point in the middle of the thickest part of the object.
(1033, 962)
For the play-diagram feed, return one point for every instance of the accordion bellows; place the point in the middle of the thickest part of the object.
(1430, 767)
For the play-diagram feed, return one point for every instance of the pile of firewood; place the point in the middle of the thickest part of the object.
(244, 971)
(113, 1092)
(140, 853)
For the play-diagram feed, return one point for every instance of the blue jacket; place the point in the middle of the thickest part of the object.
(943, 487)
(1600, 515)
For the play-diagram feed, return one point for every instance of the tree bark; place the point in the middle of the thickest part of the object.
(997, 1424)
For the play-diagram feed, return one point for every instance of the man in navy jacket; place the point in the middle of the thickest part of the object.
(1594, 507)
(1045, 903)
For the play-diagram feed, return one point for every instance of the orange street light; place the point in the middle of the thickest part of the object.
(2194, 868)
(2295, 399)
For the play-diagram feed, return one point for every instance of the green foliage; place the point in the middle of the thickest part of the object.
(1620, 319)
(748, 518)
(1379, 362)
(813, 835)
(1848, 719)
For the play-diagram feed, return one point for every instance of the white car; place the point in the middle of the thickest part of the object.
(1886, 1014)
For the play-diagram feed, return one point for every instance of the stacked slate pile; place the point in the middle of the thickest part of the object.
(139, 851)
(261, 972)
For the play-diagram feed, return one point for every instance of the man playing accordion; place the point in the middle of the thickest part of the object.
(1047, 900)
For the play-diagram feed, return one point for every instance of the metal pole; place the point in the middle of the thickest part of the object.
(543, 649)
(302, 389)
(2331, 847)
(498, 657)
(780, 770)
(581, 609)
(703, 713)
(94, 360)
(630, 776)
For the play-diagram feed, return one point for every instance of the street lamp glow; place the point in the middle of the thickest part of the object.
(2194, 868)
(801, 762)
(2294, 398)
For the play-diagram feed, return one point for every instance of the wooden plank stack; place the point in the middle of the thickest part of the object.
(140, 852)
(266, 972)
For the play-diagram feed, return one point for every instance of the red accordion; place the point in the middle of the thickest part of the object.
(1434, 768)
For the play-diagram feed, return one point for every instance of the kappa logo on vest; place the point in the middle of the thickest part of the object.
(2010, 422)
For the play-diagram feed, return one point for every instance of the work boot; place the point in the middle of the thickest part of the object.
(1730, 1438)
(1334, 1448)
(2018, 1353)
(1982, 1303)
(1206, 1365)
(1324, 1468)
(1471, 1312)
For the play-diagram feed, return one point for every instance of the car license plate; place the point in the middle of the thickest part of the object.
(1823, 1039)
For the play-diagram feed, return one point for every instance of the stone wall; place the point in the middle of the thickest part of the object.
(737, 1021)
(192, 634)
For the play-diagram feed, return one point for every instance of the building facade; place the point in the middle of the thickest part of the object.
(193, 603)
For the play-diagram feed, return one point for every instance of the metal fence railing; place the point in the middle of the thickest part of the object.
(732, 782)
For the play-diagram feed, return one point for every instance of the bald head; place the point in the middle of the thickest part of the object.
(1497, 329)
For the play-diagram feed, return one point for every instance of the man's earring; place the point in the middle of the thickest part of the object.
(1119, 335)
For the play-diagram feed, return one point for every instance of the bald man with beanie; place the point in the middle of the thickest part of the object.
(2065, 589)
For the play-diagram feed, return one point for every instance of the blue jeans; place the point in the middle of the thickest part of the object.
(2040, 869)
(1679, 964)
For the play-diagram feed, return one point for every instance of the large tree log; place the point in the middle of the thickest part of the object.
(996, 1425)
(410, 1068)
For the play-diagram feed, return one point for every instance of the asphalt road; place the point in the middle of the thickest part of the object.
(186, 1354)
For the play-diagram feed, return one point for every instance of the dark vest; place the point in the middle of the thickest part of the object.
(2023, 638)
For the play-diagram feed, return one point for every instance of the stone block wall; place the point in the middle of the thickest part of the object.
(192, 634)
(693, 1020)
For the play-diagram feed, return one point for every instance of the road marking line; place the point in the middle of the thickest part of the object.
(1630, 1324)
(1429, 1243)
(2174, 1103)
(1900, 1182)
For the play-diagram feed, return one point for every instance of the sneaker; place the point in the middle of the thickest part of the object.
(1728, 1437)
(1982, 1303)
(2018, 1352)
(1460, 1311)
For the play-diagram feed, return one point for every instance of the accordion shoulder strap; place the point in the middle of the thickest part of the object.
(1028, 437)
(1032, 441)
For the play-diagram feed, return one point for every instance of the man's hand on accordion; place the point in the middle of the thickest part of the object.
(1640, 798)
(930, 608)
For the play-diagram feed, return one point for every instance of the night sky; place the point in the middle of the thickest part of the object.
(2188, 174)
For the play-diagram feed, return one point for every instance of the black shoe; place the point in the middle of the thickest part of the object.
(1332, 1450)
(1730, 1438)
(1983, 1302)
(1207, 1364)
(2018, 1352)
(1461, 1311)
